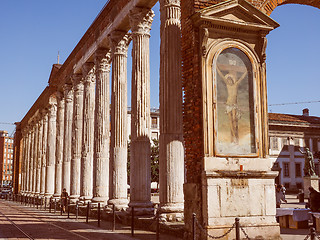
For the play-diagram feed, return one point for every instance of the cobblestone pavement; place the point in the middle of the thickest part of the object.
(22, 222)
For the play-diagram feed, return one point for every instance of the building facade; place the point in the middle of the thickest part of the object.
(288, 134)
(6, 159)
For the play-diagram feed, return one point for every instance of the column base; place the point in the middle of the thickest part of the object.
(102, 200)
(141, 208)
(85, 200)
(120, 204)
(172, 212)
(56, 196)
(74, 199)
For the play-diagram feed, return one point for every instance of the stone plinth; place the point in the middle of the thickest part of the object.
(310, 181)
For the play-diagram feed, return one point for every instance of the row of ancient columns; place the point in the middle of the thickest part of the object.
(68, 143)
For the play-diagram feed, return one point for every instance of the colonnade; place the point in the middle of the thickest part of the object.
(77, 142)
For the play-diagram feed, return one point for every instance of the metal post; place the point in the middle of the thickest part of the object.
(132, 221)
(313, 233)
(193, 226)
(237, 228)
(158, 223)
(38, 202)
(68, 205)
(50, 205)
(98, 214)
(114, 218)
(61, 207)
(77, 210)
(87, 217)
(55, 205)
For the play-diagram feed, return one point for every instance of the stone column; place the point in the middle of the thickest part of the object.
(39, 157)
(118, 154)
(59, 145)
(35, 156)
(23, 163)
(76, 137)
(68, 115)
(140, 179)
(31, 158)
(44, 152)
(101, 128)
(171, 126)
(51, 149)
(28, 161)
(86, 183)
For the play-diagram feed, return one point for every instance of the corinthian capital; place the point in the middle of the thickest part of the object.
(119, 42)
(141, 20)
(88, 73)
(52, 109)
(77, 81)
(68, 92)
(169, 3)
(102, 60)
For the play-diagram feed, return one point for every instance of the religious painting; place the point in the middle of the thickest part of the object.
(235, 132)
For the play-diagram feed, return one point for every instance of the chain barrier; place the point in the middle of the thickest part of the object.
(244, 232)
(213, 237)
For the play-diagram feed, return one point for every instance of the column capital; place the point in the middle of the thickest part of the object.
(170, 3)
(52, 109)
(102, 60)
(141, 20)
(88, 72)
(119, 42)
(76, 79)
(68, 92)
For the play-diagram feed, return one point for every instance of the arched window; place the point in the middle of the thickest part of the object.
(235, 118)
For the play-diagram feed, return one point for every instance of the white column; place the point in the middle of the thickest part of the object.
(23, 163)
(76, 137)
(68, 115)
(118, 154)
(51, 149)
(59, 145)
(35, 156)
(102, 128)
(39, 157)
(171, 126)
(31, 161)
(140, 179)
(86, 184)
(44, 152)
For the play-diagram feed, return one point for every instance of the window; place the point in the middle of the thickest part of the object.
(154, 122)
(274, 143)
(317, 168)
(296, 141)
(154, 135)
(298, 169)
(235, 103)
(286, 172)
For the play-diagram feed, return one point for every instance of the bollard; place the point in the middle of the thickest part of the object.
(61, 207)
(132, 221)
(38, 202)
(98, 214)
(114, 218)
(313, 233)
(68, 205)
(158, 224)
(50, 201)
(55, 205)
(237, 228)
(193, 226)
(45, 203)
(77, 210)
(88, 210)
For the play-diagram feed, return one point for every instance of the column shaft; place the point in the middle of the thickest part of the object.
(51, 150)
(35, 156)
(31, 159)
(59, 145)
(86, 184)
(118, 158)
(171, 131)
(76, 137)
(102, 129)
(39, 157)
(140, 176)
(44, 152)
(68, 115)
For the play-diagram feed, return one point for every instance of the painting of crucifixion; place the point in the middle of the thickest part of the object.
(235, 104)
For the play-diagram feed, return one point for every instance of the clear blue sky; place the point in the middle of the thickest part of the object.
(32, 33)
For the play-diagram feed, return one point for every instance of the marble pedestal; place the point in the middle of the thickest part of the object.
(310, 181)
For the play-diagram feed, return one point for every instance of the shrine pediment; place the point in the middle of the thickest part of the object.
(235, 13)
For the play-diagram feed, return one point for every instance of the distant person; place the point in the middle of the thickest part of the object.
(283, 189)
(64, 199)
(280, 197)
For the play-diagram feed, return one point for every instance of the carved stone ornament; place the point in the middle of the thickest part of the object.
(103, 60)
(88, 72)
(141, 20)
(119, 42)
(76, 79)
(68, 92)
